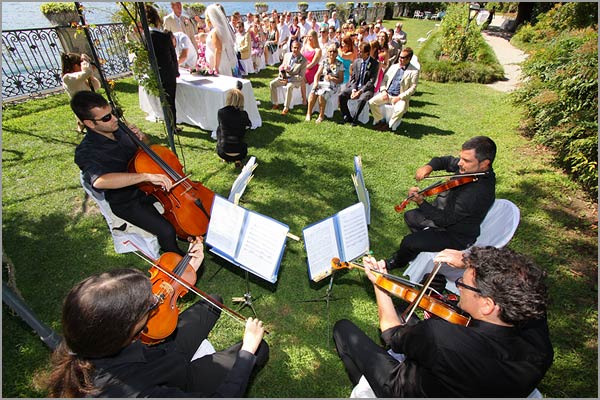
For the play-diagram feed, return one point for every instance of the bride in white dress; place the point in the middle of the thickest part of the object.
(220, 43)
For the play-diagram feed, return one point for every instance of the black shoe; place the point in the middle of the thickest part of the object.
(348, 119)
(354, 123)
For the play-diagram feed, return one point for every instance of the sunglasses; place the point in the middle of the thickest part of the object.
(156, 301)
(404, 57)
(459, 283)
(105, 118)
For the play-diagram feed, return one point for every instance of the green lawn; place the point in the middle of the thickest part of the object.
(55, 237)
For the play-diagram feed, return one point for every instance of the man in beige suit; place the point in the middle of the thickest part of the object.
(177, 22)
(291, 75)
(399, 83)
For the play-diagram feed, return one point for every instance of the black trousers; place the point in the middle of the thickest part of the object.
(362, 356)
(362, 101)
(142, 213)
(171, 89)
(432, 239)
(210, 371)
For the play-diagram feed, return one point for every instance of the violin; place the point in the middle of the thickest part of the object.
(408, 293)
(188, 204)
(172, 276)
(437, 188)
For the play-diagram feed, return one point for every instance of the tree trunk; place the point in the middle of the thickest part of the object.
(524, 14)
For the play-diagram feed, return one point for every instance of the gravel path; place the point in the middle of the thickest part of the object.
(509, 56)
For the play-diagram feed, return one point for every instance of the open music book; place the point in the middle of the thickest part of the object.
(361, 190)
(344, 235)
(240, 183)
(246, 238)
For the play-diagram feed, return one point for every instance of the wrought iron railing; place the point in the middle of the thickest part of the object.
(31, 58)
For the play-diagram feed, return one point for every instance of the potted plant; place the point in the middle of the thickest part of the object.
(261, 7)
(364, 4)
(377, 4)
(330, 5)
(350, 5)
(302, 6)
(60, 13)
(194, 9)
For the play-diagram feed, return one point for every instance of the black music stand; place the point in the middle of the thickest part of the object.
(327, 297)
(246, 299)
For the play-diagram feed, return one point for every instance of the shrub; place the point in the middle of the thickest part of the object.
(57, 7)
(560, 97)
(330, 5)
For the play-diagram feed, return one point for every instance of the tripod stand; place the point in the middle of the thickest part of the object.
(327, 297)
(246, 299)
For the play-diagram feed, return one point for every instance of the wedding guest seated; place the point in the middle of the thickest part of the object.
(327, 82)
(398, 85)
(361, 84)
(233, 122)
(291, 75)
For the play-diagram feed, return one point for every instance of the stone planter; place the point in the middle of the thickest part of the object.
(302, 7)
(62, 18)
(193, 12)
(261, 9)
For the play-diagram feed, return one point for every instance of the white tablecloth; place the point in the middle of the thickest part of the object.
(199, 98)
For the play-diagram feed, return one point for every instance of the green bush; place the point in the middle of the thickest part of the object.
(57, 7)
(481, 66)
(560, 97)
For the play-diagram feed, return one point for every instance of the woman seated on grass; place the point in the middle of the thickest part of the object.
(233, 122)
(327, 82)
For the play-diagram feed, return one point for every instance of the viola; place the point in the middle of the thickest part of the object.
(188, 204)
(408, 293)
(172, 277)
(437, 188)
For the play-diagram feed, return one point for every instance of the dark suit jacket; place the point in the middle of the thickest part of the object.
(166, 57)
(370, 74)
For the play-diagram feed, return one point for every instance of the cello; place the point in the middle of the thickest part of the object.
(188, 204)
(408, 293)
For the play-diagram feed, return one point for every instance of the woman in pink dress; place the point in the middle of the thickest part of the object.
(312, 52)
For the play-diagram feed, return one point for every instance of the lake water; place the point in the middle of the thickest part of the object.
(23, 15)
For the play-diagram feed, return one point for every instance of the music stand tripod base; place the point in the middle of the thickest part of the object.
(246, 299)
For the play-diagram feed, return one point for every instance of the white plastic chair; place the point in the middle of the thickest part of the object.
(422, 40)
(147, 242)
(497, 228)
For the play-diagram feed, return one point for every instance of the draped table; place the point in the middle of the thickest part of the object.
(199, 98)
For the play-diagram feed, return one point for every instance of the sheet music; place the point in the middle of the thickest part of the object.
(240, 183)
(321, 246)
(262, 245)
(353, 231)
(225, 226)
(361, 190)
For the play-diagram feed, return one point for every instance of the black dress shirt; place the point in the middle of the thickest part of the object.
(97, 155)
(481, 360)
(159, 371)
(461, 210)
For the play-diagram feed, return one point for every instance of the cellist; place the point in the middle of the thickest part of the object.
(101, 355)
(452, 220)
(504, 351)
(103, 156)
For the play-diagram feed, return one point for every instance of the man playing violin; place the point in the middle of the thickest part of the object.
(103, 157)
(504, 351)
(454, 218)
(101, 355)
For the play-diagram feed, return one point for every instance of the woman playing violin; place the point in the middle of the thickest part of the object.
(103, 317)
(453, 219)
(503, 352)
(103, 156)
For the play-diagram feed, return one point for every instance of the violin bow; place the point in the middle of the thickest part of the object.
(456, 175)
(413, 306)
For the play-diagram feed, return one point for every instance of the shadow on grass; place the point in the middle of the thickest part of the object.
(416, 131)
